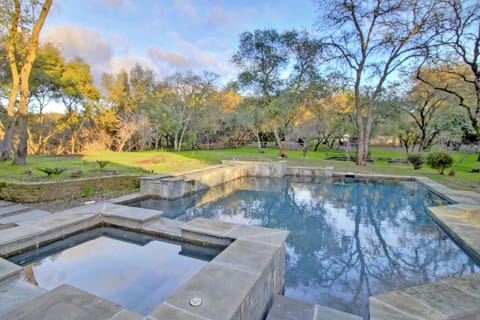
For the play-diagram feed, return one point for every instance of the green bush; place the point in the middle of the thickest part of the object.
(439, 160)
(416, 159)
(102, 163)
(52, 171)
(88, 190)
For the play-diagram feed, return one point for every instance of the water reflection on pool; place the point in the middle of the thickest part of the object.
(138, 274)
(349, 239)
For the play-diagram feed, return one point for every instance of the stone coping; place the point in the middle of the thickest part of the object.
(253, 260)
(285, 308)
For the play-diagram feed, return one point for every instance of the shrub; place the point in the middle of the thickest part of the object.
(102, 164)
(88, 190)
(51, 171)
(439, 161)
(416, 159)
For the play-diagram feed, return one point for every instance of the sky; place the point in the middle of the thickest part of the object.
(166, 35)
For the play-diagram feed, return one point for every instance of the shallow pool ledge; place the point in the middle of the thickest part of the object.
(240, 283)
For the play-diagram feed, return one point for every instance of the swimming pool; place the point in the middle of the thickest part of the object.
(136, 271)
(349, 239)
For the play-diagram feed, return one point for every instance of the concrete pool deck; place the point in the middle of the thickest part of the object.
(253, 261)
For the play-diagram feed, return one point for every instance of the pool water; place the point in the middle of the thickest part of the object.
(349, 239)
(135, 271)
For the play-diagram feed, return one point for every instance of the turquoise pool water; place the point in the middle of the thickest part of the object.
(133, 270)
(349, 239)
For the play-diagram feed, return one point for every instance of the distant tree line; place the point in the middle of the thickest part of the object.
(403, 68)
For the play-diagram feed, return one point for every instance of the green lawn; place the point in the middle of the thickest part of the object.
(162, 162)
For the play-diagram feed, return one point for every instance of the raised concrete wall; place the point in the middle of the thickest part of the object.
(181, 184)
(240, 283)
(309, 172)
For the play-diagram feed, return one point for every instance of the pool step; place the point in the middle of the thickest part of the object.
(285, 308)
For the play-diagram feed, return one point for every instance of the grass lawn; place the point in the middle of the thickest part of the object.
(162, 162)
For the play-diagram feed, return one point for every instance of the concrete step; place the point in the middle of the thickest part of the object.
(12, 209)
(27, 216)
(66, 302)
(17, 292)
(455, 298)
(4, 203)
(285, 308)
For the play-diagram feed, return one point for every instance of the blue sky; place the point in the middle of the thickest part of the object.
(166, 35)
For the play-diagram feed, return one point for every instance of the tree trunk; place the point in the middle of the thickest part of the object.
(281, 146)
(31, 48)
(257, 136)
(175, 141)
(362, 149)
(180, 140)
(7, 142)
(73, 139)
(6, 145)
(21, 152)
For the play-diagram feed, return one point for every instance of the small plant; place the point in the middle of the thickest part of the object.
(88, 190)
(102, 164)
(416, 159)
(52, 171)
(440, 161)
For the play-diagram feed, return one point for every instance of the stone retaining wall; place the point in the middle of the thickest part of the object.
(51, 190)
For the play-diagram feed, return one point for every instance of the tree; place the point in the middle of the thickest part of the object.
(421, 105)
(46, 73)
(192, 94)
(76, 90)
(280, 70)
(21, 43)
(252, 116)
(452, 63)
(131, 97)
(373, 39)
(454, 127)
(261, 56)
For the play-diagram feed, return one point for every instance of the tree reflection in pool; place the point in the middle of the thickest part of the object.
(349, 239)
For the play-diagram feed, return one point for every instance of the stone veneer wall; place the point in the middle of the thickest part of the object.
(51, 190)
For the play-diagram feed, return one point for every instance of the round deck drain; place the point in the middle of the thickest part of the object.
(195, 302)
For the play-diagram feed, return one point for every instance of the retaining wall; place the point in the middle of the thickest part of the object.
(181, 184)
(52, 190)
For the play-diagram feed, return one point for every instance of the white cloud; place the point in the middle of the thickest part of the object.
(127, 63)
(171, 58)
(195, 56)
(219, 18)
(123, 4)
(186, 8)
(86, 43)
